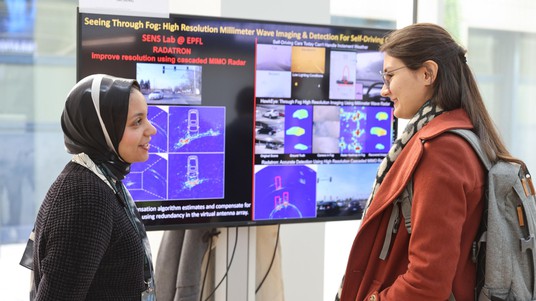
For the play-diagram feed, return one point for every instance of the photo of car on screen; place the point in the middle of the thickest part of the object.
(270, 129)
(170, 84)
(353, 182)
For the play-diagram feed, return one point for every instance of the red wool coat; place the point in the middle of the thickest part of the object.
(435, 259)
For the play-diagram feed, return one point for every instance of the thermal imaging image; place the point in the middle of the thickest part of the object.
(365, 129)
(285, 192)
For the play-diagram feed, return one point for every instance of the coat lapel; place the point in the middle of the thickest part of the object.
(397, 178)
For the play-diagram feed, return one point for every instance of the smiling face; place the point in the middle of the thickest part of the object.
(134, 145)
(408, 89)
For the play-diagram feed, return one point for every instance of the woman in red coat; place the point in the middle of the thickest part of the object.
(427, 78)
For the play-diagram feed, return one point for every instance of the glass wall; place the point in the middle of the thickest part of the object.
(504, 65)
(37, 68)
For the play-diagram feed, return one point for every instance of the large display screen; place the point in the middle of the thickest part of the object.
(258, 122)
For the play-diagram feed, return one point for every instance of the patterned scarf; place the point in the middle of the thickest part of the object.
(425, 114)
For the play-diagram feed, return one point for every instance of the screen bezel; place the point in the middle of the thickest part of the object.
(215, 222)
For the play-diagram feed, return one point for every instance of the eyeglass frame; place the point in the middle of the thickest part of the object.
(383, 74)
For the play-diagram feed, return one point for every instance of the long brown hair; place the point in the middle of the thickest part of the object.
(454, 86)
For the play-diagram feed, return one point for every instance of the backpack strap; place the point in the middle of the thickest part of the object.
(392, 227)
(473, 139)
(402, 203)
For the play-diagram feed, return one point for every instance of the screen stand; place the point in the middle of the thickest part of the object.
(240, 266)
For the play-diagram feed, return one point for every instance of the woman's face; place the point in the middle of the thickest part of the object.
(134, 145)
(408, 89)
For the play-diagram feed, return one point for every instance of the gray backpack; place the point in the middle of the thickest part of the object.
(505, 250)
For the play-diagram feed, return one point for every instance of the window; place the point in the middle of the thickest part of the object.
(505, 69)
(37, 69)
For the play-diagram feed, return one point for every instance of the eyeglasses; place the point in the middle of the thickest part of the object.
(386, 76)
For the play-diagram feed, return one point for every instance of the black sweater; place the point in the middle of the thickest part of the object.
(85, 245)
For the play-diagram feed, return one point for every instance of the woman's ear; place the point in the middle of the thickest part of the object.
(430, 71)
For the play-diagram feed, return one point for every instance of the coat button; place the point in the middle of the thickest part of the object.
(373, 297)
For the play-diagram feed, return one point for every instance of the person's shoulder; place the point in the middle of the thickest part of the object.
(455, 119)
(453, 150)
(79, 184)
(450, 140)
(76, 173)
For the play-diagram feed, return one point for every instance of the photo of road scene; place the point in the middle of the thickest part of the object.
(170, 84)
(367, 75)
(354, 184)
(273, 76)
(270, 129)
